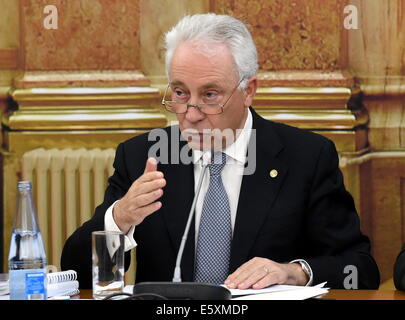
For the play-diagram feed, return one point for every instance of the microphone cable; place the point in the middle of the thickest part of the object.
(139, 296)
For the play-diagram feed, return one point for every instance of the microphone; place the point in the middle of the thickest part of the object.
(206, 159)
(185, 290)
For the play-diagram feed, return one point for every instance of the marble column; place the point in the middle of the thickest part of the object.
(157, 18)
(376, 56)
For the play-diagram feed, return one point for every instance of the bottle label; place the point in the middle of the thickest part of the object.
(35, 285)
(22, 286)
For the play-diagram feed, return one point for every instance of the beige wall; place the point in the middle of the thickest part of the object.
(9, 40)
(9, 24)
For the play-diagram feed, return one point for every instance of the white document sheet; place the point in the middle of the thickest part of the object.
(289, 294)
(280, 292)
(271, 289)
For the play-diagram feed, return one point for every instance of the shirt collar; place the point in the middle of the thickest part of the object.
(237, 150)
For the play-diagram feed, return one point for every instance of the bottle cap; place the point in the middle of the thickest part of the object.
(24, 185)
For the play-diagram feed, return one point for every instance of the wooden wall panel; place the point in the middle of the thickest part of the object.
(383, 196)
(377, 58)
(8, 58)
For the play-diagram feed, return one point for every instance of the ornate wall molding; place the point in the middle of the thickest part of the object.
(124, 108)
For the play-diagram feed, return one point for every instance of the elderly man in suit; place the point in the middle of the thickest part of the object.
(287, 221)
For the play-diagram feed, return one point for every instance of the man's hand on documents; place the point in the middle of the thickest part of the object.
(260, 273)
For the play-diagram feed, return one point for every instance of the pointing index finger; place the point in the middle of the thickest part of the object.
(151, 165)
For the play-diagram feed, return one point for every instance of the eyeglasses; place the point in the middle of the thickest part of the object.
(206, 108)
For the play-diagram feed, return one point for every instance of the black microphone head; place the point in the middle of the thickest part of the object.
(183, 290)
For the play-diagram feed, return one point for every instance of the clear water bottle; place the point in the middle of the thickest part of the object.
(27, 258)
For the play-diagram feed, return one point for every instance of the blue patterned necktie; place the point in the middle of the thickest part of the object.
(215, 231)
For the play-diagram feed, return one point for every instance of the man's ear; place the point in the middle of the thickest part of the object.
(250, 91)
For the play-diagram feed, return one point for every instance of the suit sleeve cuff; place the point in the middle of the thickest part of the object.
(110, 225)
(306, 268)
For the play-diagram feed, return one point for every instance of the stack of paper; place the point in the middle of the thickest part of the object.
(4, 287)
(279, 292)
(67, 288)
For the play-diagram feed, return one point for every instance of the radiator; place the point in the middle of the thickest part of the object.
(67, 186)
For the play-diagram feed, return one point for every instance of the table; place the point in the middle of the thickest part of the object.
(365, 295)
(332, 294)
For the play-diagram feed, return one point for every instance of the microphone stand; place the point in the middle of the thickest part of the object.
(185, 290)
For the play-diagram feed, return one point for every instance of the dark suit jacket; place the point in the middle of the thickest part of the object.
(305, 212)
(399, 270)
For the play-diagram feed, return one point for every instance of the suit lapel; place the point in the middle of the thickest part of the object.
(178, 195)
(258, 190)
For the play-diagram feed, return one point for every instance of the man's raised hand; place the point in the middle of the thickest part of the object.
(141, 198)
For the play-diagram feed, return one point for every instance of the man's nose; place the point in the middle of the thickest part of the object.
(193, 113)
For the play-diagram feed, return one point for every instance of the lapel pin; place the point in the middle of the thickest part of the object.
(273, 173)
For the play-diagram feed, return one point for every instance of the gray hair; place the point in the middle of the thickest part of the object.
(213, 28)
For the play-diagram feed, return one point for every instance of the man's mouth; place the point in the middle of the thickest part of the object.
(196, 134)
